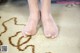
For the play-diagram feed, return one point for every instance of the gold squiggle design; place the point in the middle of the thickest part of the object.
(5, 28)
(33, 47)
(10, 41)
(18, 43)
(1, 43)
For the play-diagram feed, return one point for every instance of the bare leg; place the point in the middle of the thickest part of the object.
(31, 25)
(49, 25)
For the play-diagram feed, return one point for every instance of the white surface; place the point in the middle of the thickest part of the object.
(68, 20)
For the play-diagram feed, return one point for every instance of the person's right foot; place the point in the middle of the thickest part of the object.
(31, 26)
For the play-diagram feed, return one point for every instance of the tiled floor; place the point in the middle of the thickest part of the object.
(67, 18)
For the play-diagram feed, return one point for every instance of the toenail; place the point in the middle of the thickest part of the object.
(54, 36)
(48, 36)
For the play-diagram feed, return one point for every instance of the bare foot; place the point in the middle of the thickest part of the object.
(49, 26)
(31, 26)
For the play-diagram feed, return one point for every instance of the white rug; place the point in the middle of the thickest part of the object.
(13, 19)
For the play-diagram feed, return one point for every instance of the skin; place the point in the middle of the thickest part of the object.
(49, 26)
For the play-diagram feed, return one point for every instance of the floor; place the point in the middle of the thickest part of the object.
(14, 17)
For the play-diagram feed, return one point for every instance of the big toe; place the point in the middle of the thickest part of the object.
(52, 35)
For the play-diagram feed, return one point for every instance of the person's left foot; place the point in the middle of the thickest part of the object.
(49, 26)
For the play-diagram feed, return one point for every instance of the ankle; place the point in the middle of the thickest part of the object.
(45, 11)
(46, 16)
(34, 14)
(34, 11)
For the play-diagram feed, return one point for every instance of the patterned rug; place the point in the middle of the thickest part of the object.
(12, 21)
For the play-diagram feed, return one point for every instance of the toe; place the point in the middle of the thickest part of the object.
(54, 35)
(23, 34)
(48, 35)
